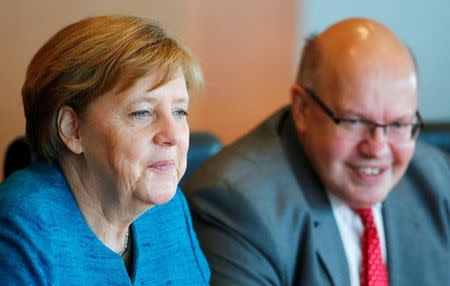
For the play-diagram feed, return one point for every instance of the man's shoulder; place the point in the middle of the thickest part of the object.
(431, 161)
(252, 173)
(245, 158)
(429, 170)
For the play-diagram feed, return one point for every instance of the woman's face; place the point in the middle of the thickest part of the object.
(135, 142)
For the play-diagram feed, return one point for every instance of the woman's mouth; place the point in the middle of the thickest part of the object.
(163, 165)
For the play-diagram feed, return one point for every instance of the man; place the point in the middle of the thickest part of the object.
(334, 189)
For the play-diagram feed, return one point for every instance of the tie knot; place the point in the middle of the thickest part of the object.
(366, 216)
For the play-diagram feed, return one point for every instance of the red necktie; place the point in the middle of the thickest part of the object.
(373, 269)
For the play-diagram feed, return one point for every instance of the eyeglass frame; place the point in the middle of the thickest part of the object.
(370, 125)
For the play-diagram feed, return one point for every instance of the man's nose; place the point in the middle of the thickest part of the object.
(375, 142)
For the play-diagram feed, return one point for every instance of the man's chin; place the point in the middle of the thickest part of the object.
(369, 197)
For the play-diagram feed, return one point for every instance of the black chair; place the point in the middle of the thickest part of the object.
(437, 134)
(18, 156)
(202, 146)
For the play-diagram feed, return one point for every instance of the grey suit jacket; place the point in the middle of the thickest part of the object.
(263, 218)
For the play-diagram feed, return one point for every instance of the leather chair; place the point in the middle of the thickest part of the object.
(437, 134)
(18, 156)
(202, 146)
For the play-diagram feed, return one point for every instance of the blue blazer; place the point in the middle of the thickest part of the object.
(263, 217)
(45, 240)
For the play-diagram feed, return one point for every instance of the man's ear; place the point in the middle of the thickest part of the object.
(298, 106)
(69, 129)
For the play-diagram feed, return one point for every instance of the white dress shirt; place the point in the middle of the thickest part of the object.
(350, 229)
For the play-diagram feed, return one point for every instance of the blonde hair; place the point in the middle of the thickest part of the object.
(90, 57)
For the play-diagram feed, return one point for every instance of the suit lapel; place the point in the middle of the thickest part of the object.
(404, 248)
(326, 238)
(330, 250)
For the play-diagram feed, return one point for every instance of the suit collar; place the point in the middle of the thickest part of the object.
(403, 251)
(328, 245)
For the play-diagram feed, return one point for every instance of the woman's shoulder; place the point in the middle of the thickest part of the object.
(34, 208)
(32, 190)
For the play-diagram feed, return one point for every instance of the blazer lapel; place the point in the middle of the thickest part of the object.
(326, 237)
(330, 250)
(403, 249)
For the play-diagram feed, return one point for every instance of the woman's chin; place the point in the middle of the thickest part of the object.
(156, 194)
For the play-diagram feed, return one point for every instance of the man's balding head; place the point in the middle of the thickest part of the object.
(352, 46)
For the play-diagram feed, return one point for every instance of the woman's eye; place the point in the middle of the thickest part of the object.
(180, 113)
(141, 113)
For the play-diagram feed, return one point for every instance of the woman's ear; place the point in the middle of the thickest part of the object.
(298, 106)
(69, 129)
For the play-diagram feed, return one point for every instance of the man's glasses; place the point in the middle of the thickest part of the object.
(395, 132)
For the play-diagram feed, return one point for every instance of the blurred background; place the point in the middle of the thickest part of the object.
(248, 49)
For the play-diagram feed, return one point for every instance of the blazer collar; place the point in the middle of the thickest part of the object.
(328, 245)
(403, 250)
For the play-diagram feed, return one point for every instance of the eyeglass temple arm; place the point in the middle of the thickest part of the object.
(325, 108)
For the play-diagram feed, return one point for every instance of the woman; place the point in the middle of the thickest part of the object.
(105, 101)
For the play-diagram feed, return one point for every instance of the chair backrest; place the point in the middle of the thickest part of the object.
(202, 146)
(437, 134)
(17, 156)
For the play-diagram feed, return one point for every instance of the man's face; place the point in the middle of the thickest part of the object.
(360, 169)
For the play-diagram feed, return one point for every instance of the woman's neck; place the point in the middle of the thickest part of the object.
(100, 208)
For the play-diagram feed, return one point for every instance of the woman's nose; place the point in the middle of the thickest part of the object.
(166, 134)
